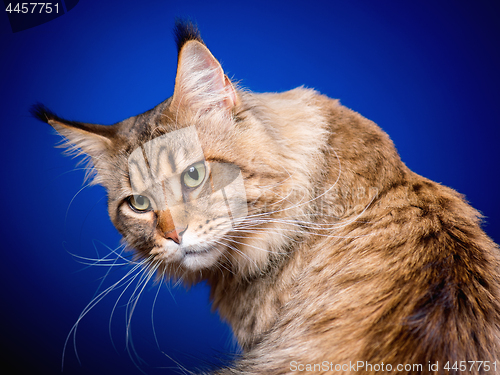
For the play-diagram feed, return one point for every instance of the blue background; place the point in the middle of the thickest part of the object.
(427, 72)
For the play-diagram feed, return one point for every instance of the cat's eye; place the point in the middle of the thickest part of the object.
(139, 203)
(194, 175)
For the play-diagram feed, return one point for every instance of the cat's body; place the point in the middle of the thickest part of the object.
(342, 254)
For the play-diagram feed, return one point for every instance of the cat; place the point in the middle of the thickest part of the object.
(323, 251)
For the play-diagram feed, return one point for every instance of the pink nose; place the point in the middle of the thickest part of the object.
(174, 236)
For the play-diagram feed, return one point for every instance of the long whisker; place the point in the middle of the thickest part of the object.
(90, 306)
(152, 315)
(253, 220)
(74, 197)
(129, 283)
(105, 261)
(131, 306)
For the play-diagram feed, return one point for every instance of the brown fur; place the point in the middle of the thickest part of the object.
(346, 255)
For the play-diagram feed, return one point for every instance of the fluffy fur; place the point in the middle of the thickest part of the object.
(345, 255)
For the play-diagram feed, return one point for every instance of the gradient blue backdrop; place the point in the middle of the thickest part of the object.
(427, 72)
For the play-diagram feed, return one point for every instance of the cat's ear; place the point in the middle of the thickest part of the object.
(200, 82)
(90, 139)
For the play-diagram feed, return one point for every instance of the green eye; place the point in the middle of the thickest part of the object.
(139, 202)
(194, 175)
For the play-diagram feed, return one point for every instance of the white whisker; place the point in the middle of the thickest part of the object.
(90, 306)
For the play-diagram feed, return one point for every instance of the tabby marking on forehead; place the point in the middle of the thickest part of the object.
(156, 170)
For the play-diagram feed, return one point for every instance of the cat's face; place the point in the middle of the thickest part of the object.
(178, 204)
(201, 182)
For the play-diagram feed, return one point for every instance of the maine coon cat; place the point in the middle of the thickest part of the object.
(323, 251)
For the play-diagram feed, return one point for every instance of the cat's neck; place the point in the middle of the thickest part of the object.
(325, 145)
(251, 305)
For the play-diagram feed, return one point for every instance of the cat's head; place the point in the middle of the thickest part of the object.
(195, 183)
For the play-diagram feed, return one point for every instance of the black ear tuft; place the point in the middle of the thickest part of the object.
(184, 31)
(42, 113)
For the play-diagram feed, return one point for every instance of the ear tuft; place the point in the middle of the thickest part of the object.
(44, 114)
(184, 31)
(80, 138)
(41, 112)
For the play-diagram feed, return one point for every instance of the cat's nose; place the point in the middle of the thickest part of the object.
(176, 235)
(167, 227)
